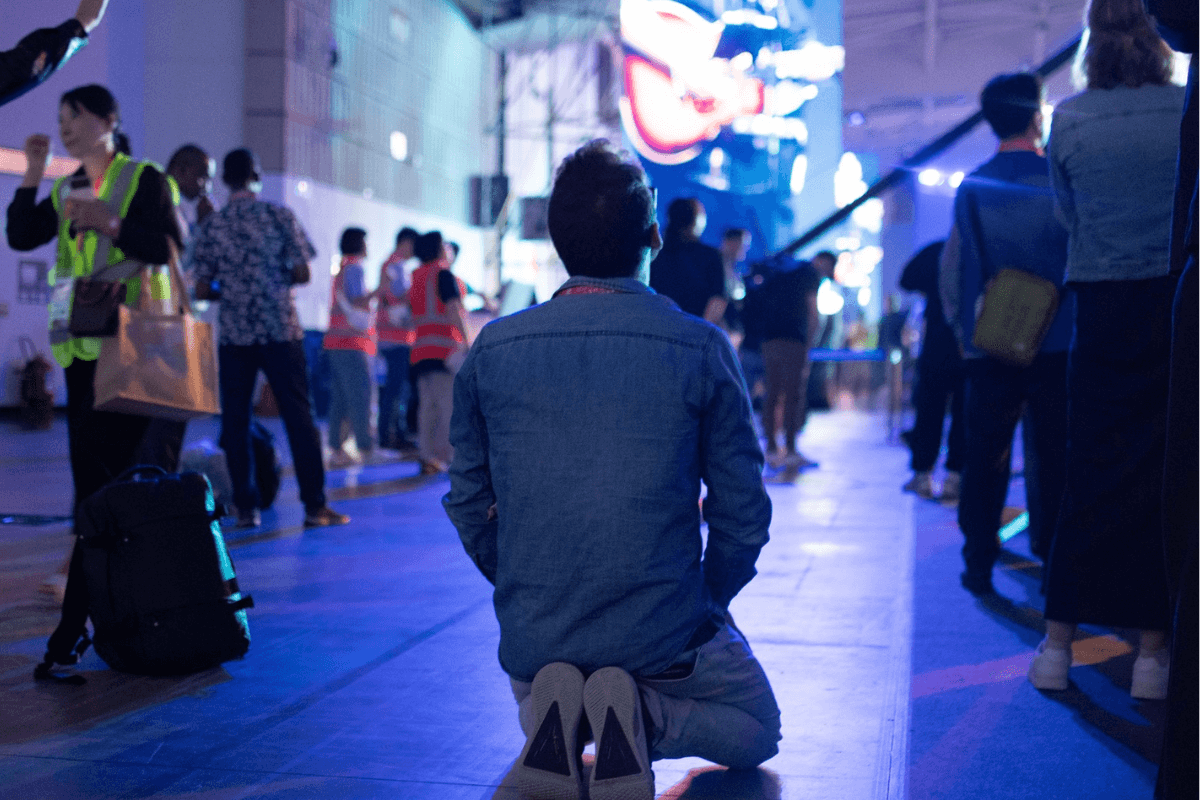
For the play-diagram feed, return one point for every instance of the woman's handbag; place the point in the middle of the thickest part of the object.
(96, 299)
(94, 307)
(159, 364)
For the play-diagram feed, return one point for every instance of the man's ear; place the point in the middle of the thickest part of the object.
(656, 242)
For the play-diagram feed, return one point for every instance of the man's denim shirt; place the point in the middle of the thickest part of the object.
(588, 422)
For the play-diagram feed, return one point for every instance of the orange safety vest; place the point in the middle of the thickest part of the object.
(391, 334)
(437, 335)
(341, 334)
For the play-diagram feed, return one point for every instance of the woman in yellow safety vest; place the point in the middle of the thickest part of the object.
(115, 211)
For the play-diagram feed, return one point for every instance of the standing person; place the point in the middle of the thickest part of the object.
(1112, 158)
(1178, 24)
(256, 251)
(112, 204)
(394, 328)
(735, 243)
(37, 56)
(687, 270)
(192, 170)
(939, 382)
(349, 344)
(189, 174)
(1004, 216)
(436, 302)
(582, 430)
(789, 324)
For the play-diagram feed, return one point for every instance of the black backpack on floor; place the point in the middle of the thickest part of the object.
(151, 570)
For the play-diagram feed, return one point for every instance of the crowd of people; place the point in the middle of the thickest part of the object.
(655, 339)
(1099, 212)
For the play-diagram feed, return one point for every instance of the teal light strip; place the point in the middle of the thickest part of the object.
(1015, 527)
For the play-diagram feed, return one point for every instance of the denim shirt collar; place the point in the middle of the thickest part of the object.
(619, 285)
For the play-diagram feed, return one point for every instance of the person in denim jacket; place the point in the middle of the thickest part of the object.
(582, 430)
(1113, 152)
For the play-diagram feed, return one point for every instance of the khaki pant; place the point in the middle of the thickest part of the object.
(785, 362)
(435, 393)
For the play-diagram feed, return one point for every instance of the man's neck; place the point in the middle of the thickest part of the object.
(243, 193)
(1025, 142)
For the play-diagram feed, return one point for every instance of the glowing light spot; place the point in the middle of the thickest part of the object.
(829, 299)
(930, 177)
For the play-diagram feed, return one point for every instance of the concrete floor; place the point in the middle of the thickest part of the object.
(373, 672)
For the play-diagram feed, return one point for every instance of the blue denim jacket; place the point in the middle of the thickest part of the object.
(1112, 159)
(582, 429)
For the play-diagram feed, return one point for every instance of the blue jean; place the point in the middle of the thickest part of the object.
(394, 395)
(349, 397)
(284, 365)
(724, 711)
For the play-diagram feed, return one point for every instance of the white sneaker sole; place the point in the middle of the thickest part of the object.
(548, 768)
(622, 767)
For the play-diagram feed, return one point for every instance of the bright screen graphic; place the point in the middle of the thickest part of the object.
(687, 78)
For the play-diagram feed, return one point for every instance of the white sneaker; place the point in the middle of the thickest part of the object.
(549, 765)
(614, 711)
(1049, 669)
(920, 484)
(1150, 676)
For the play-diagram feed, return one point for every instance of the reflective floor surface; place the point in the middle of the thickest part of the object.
(373, 673)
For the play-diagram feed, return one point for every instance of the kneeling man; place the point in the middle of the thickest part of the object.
(582, 430)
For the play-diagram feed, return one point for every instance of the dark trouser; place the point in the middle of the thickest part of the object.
(786, 365)
(102, 444)
(394, 395)
(284, 365)
(1177, 777)
(162, 443)
(997, 397)
(939, 379)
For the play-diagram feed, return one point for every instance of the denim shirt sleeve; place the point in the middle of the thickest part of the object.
(737, 509)
(1056, 155)
(470, 501)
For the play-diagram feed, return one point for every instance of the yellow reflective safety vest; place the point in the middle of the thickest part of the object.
(73, 261)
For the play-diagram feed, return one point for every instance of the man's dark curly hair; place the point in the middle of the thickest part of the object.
(601, 212)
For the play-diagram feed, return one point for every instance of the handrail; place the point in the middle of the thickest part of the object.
(1050, 66)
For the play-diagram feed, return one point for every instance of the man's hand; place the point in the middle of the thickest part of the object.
(204, 207)
(88, 215)
(300, 274)
(90, 13)
(37, 158)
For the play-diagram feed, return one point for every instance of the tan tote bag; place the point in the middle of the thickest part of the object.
(159, 364)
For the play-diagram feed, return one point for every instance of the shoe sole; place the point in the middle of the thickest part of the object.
(622, 767)
(548, 768)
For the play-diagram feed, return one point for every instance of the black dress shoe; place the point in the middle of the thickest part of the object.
(978, 585)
